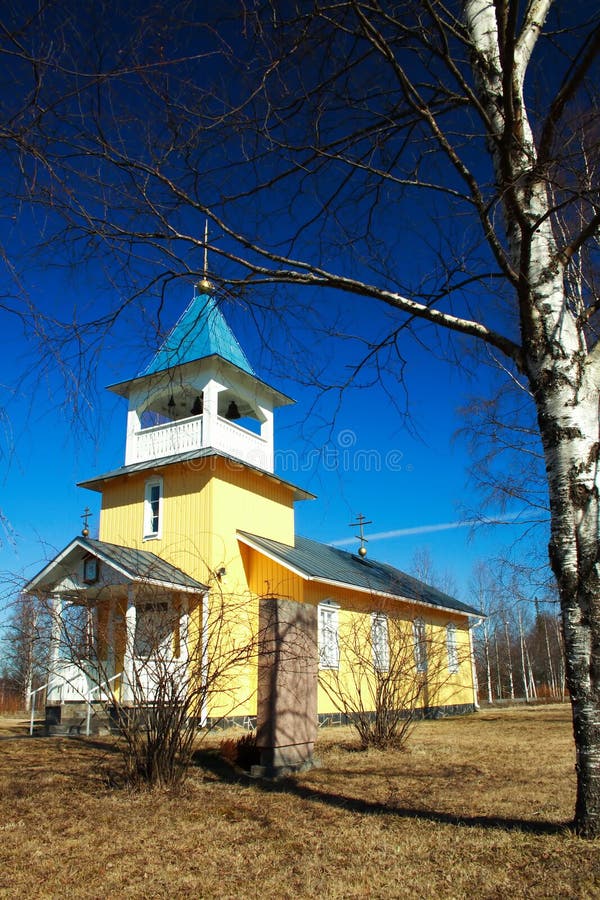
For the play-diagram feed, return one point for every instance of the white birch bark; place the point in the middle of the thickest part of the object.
(509, 665)
(524, 672)
(564, 379)
(488, 670)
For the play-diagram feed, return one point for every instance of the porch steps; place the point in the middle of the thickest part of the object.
(72, 720)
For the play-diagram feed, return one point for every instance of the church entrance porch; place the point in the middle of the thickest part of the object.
(120, 632)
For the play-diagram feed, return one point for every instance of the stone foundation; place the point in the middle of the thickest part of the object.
(430, 712)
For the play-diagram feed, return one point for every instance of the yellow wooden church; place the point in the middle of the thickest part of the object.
(198, 572)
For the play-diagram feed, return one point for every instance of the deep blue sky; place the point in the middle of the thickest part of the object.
(403, 472)
(409, 478)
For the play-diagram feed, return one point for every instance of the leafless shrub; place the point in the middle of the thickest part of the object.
(391, 673)
(180, 669)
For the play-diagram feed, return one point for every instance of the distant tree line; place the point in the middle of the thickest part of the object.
(23, 653)
(518, 647)
(520, 656)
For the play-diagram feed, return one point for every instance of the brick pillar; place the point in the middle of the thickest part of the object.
(287, 685)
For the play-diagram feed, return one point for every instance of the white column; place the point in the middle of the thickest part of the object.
(54, 691)
(267, 434)
(110, 640)
(204, 646)
(91, 637)
(184, 628)
(133, 426)
(209, 414)
(128, 662)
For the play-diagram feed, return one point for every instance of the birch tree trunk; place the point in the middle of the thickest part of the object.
(524, 671)
(550, 669)
(498, 673)
(563, 374)
(509, 665)
(568, 416)
(488, 669)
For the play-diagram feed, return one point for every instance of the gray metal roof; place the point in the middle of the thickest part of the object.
(134, 565)
(94, 484)
(142, 564)
(323, 562)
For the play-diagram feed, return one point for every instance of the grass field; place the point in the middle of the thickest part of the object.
(476, 807)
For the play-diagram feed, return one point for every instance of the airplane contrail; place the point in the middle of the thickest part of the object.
(430, 529)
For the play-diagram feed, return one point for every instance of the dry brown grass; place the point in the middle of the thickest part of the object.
(476, 807)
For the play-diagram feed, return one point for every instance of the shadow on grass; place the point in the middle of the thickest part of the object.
(210, 761)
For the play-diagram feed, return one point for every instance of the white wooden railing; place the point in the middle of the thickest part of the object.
(72, 683)
(32, 696)
(166, 439)
(192, 434)
(243, 444)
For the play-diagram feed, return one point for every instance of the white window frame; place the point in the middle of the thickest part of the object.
(420, 644)
(150, 531)
(380, 642)
(452, 648)
(329, 647)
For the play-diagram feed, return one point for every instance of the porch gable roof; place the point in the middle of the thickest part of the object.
(134, 565)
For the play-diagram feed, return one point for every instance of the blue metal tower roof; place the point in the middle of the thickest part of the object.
(200, 331)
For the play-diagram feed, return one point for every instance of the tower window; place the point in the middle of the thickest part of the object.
(153, 508)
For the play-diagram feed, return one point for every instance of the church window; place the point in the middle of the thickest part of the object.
(153, 508)
(154, 630)
(329, 651)
(379, 642)
(420, 641)
(452, 648)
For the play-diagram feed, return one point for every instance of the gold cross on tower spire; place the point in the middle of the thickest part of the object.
(204, 286)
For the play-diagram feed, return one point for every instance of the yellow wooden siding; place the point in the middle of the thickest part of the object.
(244, 500)
(440, 686)
(268, 578)
(204, 503)
(185, 539)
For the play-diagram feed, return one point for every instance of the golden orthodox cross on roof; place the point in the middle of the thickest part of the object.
(85, 530)
(360, 523)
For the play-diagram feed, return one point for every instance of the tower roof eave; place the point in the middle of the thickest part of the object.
(96, 483)
(124, 388)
